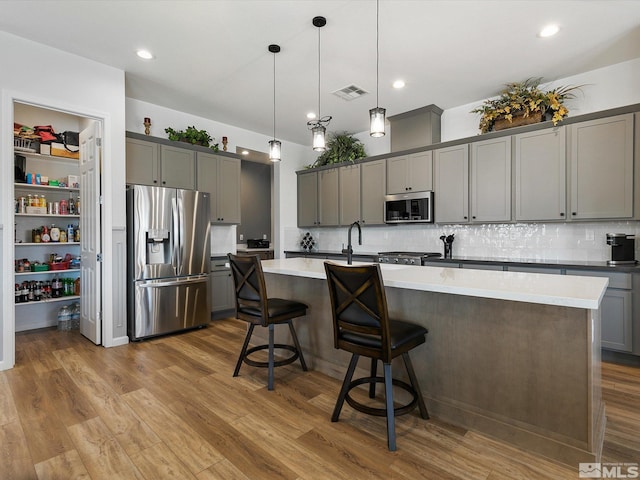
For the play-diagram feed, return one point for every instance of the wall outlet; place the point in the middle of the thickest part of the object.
(241, 236)
(264, 236)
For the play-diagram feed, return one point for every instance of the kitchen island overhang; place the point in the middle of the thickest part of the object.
(510, 354)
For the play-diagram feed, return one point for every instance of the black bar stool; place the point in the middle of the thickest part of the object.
(254, 307)
(361, 326)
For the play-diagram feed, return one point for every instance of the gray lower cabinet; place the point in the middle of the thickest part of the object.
(540, 175)
(149, 163)
(220, 176)
(490, 180)
(451, 184)
(373, 187)
(601, 168)
(350, 191)
(222, 289)
(410, 173)
(616, 309)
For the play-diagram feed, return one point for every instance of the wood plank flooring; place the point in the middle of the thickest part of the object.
(169, 408)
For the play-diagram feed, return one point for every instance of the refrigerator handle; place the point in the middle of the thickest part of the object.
(175, 257)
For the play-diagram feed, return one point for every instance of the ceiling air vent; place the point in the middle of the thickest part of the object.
(350, 92)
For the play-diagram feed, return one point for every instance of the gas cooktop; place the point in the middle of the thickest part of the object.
(407, 258)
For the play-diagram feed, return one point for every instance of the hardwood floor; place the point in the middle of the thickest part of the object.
(169, 408)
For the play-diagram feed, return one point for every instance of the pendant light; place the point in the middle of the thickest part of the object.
(318, 127)
(274, 145)
(376, 115)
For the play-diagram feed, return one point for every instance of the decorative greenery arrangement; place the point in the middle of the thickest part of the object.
(193, 136)
(341, 147)
(524, 99)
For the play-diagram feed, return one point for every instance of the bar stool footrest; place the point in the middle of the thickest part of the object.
(278, 363)
(381, 412)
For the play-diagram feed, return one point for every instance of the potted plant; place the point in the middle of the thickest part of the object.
(522, 103)
(191, 135)
(341, 147)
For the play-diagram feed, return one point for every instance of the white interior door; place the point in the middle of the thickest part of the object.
(90, 237)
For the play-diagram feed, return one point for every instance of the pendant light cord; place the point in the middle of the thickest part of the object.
(274, 95)
(377, 52)
(319, 116)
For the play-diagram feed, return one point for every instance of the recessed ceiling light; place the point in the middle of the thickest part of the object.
(311, 115)
(145, 54)
(398, 84)
(549, 31)
(245, 152)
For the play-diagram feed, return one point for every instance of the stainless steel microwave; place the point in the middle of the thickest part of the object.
(414, 207)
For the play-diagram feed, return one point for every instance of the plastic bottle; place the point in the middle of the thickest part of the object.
(75, 316)
(64, 318)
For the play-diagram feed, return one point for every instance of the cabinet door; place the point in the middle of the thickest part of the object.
(222, 296)
(420, 171)
(490, 186)
(207, 180)
(452, 184)
(308, 199)
(349, 202)
(540, 175)
(601, 161)
(616, 320)
(397, 168)
(373, 185)
(143, 162)
(228, 195)
(328, 191)
(178, 167)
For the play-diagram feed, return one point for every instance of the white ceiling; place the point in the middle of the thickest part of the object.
(211, 57)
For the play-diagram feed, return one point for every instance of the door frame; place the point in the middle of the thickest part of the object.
(7, 314)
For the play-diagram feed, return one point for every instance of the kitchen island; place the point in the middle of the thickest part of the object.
(514, 355)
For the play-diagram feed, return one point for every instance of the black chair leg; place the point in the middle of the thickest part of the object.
(345, 387)
(374, 372)
(271, 357)
(416, 386)
(388, 394)
(243, 352)
(297, 344)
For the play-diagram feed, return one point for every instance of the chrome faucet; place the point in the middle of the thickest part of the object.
(349, 249)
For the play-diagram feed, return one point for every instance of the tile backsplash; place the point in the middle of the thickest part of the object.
(526, 241)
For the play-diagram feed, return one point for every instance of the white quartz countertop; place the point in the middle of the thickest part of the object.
(548, 289)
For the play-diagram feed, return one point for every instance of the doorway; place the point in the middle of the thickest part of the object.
(49, 179)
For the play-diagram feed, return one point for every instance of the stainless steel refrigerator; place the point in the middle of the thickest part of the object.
(168, 250)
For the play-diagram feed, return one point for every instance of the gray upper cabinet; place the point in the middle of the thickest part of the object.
(601, 168)
(328, 197)
(490, 185)
(149, 163)
(308, 199)
(220, 176)
(452, 184)
(178, 167)
(373, 176)
(349, 202)
(143, 162)
(540, 175)
(410, 173)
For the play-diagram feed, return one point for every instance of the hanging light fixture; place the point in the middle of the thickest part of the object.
(376, 115)
(318, 127)
(275, 146)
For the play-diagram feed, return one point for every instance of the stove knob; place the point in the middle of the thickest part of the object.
(412, 261)
(395, 260)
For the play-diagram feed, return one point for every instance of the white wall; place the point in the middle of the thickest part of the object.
(610, 87)
(37, 74)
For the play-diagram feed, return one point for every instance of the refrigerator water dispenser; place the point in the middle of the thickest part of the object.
(158, 247)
